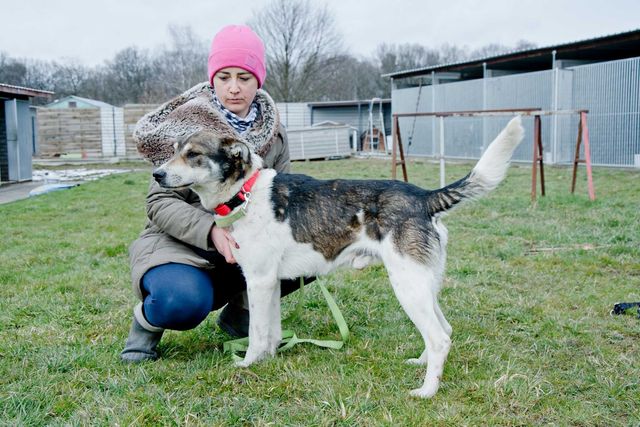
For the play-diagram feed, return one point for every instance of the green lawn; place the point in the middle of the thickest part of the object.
(528, 293)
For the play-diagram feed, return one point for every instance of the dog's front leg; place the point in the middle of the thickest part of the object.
(265, 331)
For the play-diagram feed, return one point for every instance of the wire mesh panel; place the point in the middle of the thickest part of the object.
(611, 93)
(609, 90)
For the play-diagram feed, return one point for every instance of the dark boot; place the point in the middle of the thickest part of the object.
(143, 339)
(234, 317)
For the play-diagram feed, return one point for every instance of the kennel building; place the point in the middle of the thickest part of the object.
(601, 75)
(17, 131)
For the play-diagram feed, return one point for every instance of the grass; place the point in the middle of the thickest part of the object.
(529, 303)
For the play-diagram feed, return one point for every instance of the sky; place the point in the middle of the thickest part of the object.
(91, 32)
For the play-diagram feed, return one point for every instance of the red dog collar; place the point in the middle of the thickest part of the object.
(226, 208)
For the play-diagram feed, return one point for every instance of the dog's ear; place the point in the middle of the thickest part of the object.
(237, 149)
(181, 140)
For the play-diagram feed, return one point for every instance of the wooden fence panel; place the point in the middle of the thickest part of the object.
(133, 113)
(69, 131)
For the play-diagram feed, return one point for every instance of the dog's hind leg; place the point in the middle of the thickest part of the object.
(443, 321)
(422, 360)
(416, 286)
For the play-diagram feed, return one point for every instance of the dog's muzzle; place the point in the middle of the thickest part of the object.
(159, 175)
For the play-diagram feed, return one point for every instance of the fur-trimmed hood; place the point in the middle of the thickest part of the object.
(193, 111)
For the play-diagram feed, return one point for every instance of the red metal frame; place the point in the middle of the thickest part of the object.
(538, 152)
(583, 134)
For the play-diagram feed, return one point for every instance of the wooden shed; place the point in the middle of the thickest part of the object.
(81, 127)
(17, 131)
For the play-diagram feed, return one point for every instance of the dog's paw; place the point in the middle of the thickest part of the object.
(416, 361)
(254, 356)
(243, 363)
(424, 392)
(249, 360)
(273, 348)
(361, 261)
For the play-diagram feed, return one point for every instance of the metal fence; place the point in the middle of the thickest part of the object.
(610, 91)
(320, 142)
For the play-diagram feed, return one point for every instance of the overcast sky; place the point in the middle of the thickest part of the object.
(92, 32)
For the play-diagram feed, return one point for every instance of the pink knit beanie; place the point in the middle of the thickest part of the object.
(237, 46)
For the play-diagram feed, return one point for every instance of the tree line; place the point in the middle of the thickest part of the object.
(306, 61)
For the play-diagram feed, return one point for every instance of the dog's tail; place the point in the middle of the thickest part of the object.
(485, 176)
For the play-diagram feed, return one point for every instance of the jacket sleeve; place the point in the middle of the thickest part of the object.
(173, 213)
(278, 155)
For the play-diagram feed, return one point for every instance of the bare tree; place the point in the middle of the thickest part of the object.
(180, 66)
(305, 61)
(12, 71)
(450, 53)
(494, 49)
(68, 76)
(39, 74)
(350, 79)
(301, 41)
(392, 57)
(127, 76)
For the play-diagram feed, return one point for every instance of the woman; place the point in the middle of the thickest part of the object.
(181, 265)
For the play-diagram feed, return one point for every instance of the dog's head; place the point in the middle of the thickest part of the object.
(205, 160)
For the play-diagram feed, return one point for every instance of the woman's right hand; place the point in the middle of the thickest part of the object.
(222, 240)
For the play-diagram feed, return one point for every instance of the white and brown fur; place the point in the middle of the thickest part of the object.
(297, 226)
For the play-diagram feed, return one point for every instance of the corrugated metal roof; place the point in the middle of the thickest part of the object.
(347, 103)
(21, 90)
(517, 54)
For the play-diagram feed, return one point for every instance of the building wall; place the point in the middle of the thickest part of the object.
(608, 90)
(19, 139)
(350, 115)
(294, 115)
(4, 160)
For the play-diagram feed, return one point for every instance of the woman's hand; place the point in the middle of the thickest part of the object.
(223, 241)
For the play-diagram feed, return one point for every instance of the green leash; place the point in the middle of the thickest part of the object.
(289, 338)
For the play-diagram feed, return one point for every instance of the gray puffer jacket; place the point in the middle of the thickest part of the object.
(178, 227)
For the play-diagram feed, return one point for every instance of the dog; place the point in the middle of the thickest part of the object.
(289, 225)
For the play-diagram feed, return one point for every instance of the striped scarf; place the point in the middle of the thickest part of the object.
(240, 124)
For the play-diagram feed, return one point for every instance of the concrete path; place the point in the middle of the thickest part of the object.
(10, 192)
(17, 191)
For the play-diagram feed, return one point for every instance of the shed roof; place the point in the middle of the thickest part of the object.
(603, 48)
(6, 89)
(353, 103)
(94, 102)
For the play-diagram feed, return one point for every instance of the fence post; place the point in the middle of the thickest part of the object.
(397, 145)
(442, 152)
(395, 135)
(583, 134)
(538, 158)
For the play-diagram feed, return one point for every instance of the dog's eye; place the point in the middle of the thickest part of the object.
(192, 154)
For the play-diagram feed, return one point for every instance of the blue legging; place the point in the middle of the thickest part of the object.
(180, 296)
